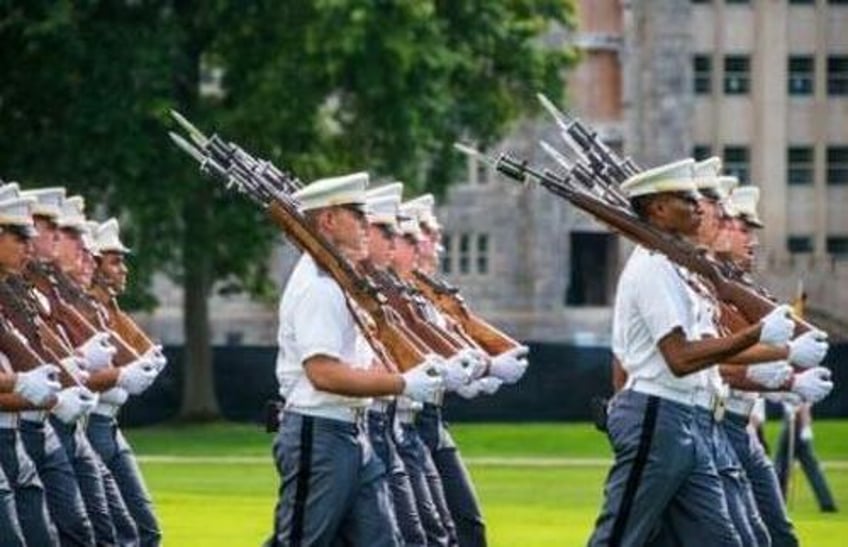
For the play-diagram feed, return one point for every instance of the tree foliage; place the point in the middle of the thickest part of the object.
(319, 86)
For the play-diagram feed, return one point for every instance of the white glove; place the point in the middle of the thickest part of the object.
(137, 376)
(490, 385)
(777, 326)
(456, 371)
(487, 385)
(477, 360)
(806, 433)
(97, 351)
(423, 382)
(73, 403)
(114, 396)
(39, 384)
(769, 375)
(510, 365)
(809, 349)
(155, 356)
(813, 384)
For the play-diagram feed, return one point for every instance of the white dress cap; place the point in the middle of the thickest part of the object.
(11, 190)
(107, 238)
(671, 177)
(48, 201)
(383, 210)
(706, 173)
(408, 223)
(423, 206)
(744, 200)
(329, 192)
(87, 236)
(72, 215)
(392, 189)
(17, 212)
(726, 184)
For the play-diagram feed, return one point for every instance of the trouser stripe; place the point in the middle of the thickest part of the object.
(302, 487)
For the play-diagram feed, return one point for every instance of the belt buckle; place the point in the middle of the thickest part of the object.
(719, 407)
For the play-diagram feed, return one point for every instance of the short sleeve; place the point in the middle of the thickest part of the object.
(321, 318)
(661, 299)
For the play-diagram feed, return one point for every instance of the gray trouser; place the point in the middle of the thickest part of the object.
(92, 476)
(427, 485)
(662, 466)
(332, 487)
(109, 443)
(809, 463)
(30, 502)
(10, 529)
(400, 488)
(459, 490)
(737, 489)
(64, 499)
(761, 475)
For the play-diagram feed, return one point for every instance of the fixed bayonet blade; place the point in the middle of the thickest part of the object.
(187, 147)
(196, 135)
(474, 153)
(555, 155)
(557, 114)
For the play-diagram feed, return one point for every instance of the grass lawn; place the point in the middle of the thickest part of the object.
(539, 484)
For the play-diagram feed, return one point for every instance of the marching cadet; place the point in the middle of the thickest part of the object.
(103, 430)
(507, 368)
(114, 384)
(661, 459)
(332, 488)
(805, 351)
(43, 433)
(32, 525)
(104, 505)
(381, 211)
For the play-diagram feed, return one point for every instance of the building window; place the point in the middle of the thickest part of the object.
(838, 2)
(737, 74)
(447, 255)
(590, 282)
(464, 254)
(838, 246)
(702, 151)
(702, 66)
(482, 258)
(799, 244)
(799, 162)
(837, 164)
(803, 2)
(736, 1)
(801, 75)
(737, 162)
(837, 75)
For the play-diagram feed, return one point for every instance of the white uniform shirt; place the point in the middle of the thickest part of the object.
(653, 299)
(314, 320)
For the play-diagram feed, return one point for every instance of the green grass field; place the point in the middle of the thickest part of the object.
(539, 484)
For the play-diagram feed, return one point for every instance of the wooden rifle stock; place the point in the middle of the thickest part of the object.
(404, 348)
(492, 340)
(399, 300)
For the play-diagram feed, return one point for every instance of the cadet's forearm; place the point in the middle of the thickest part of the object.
(7, 382)
(619, 375)
(759, 353)
(103, 380)
(685, 356)
(332, 376)
(12, 402)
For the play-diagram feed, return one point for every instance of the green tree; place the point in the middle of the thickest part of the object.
(321, 86)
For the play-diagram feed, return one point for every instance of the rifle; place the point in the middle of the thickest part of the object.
(120, 321)
(748, 299)
(74, 310)
(396, 345)
(400, 298)
(451, 303)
